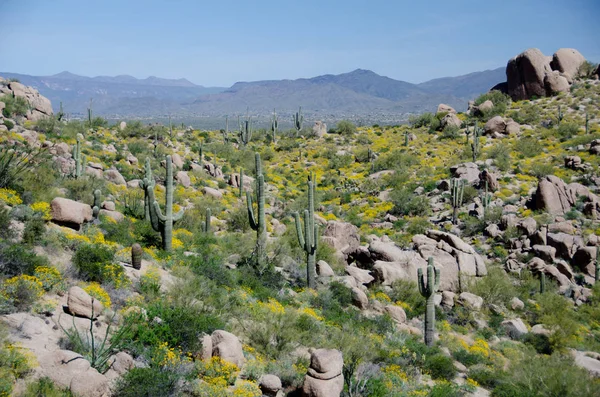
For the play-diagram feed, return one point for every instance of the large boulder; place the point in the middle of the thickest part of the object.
(443, 108)
(451, 119)
(80, 303)
(495, 125)
(69, 212)
(324, 377)
(319, 129)
(40, 106)
(468, 171)
(228, 347)
(555, 83)
(567, 61)
(555, 196)
(342, 236)
(115, 177)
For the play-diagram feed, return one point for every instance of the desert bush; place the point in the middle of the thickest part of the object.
(567, 130)
(500, 153)
(45, 387)
(528, 147)
(15, 364)
(450, 132)
(496, 287)
(22, 291)
(540, 170)
(16, 161)
(95, 262)
(396, 160)
(422, 120)
(147, 382)
(6, 231)
(407, 292)
(439, 366)
(9, 124)
(345, 127)
(82, 189)
(14, 106)
(48, 126)
(406, 202)
(34, 230)
(500, 100)
(17, 259)
(546, 376)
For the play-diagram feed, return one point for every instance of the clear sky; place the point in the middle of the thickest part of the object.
(216, 43)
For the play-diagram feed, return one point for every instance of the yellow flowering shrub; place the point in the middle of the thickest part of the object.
(10, 197)
(150, 280)
(22, 290)
(177, 243)
(272, 306)
(166, 356)
(217, 371)
(50, 277)
(310, 312)
(246, 388)
(42, 208)
(97, 292)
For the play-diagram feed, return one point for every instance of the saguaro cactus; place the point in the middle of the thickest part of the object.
(298, 120)
(427, 290)
(597, 273)
(560, 114)
(310, 239)
(245, 133)
(406, 138)
(274, 126)
(241, 182)
(201, 153)
(371, 156)
(486, 200)
(587, 123)
(136, 256)
(147, 184)
(542, 282)
(258, 222)
(206, 226)
(164, 223)
(475, 145)
(97, 203)
(225, 132)
(60, 114)
(458, 189)
(90, 113)
(79, 158)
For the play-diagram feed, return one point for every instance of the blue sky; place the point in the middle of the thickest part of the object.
(220, 42)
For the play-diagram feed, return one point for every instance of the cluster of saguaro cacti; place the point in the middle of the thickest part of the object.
(79, 158)
(309, 240)
(298, 120)
(245, 133)
(160, 222)
(274, 126)
(136, 256)
(257, 220)
(475, 145)
(97, 203)
(457, 187)
(427, 289)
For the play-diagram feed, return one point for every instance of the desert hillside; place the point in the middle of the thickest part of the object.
(457, 255)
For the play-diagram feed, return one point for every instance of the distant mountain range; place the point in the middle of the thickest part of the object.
(360, 94)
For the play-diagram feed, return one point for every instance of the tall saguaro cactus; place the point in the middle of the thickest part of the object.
(597, 273)
(147, 184)
(587, 123)
(542, 282)
(163, 223)
(79, 158)
(274, 126)
(310, 239)
(475, 145)
(225, 132)
(241, 182)
(298, 120)
(90, 113)
(257, 221)
(427, 290)
(458, 189)
(206, 226)
(245, 132)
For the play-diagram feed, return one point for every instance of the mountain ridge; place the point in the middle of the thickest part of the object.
(360, 93)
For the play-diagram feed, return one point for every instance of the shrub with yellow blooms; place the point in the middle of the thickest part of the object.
(96, 291)
(10, 197)
(22, 291)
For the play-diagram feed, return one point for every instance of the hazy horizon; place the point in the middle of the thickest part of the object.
(220, 44)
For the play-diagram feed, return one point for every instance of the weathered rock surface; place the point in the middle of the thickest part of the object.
(65, 211)
(324, 377)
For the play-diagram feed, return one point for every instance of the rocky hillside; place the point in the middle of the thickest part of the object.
(456, 256)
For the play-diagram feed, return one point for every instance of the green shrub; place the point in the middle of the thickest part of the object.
(496, 287)
(146, 382)
(408, 293)
(9, 124)
(528, 147)
(567, 130)
(6, 231)
(540, 170)
(545, 376)
(34, 230)
(92, 261)
(500, 100)
(500, 153)
(422, 120)
(17, 259)
(44, 387)
(450, 132)
(440, 366)
(14, 106)
(47, 125)
(406, 202)
(467, 358)
(345, 127)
